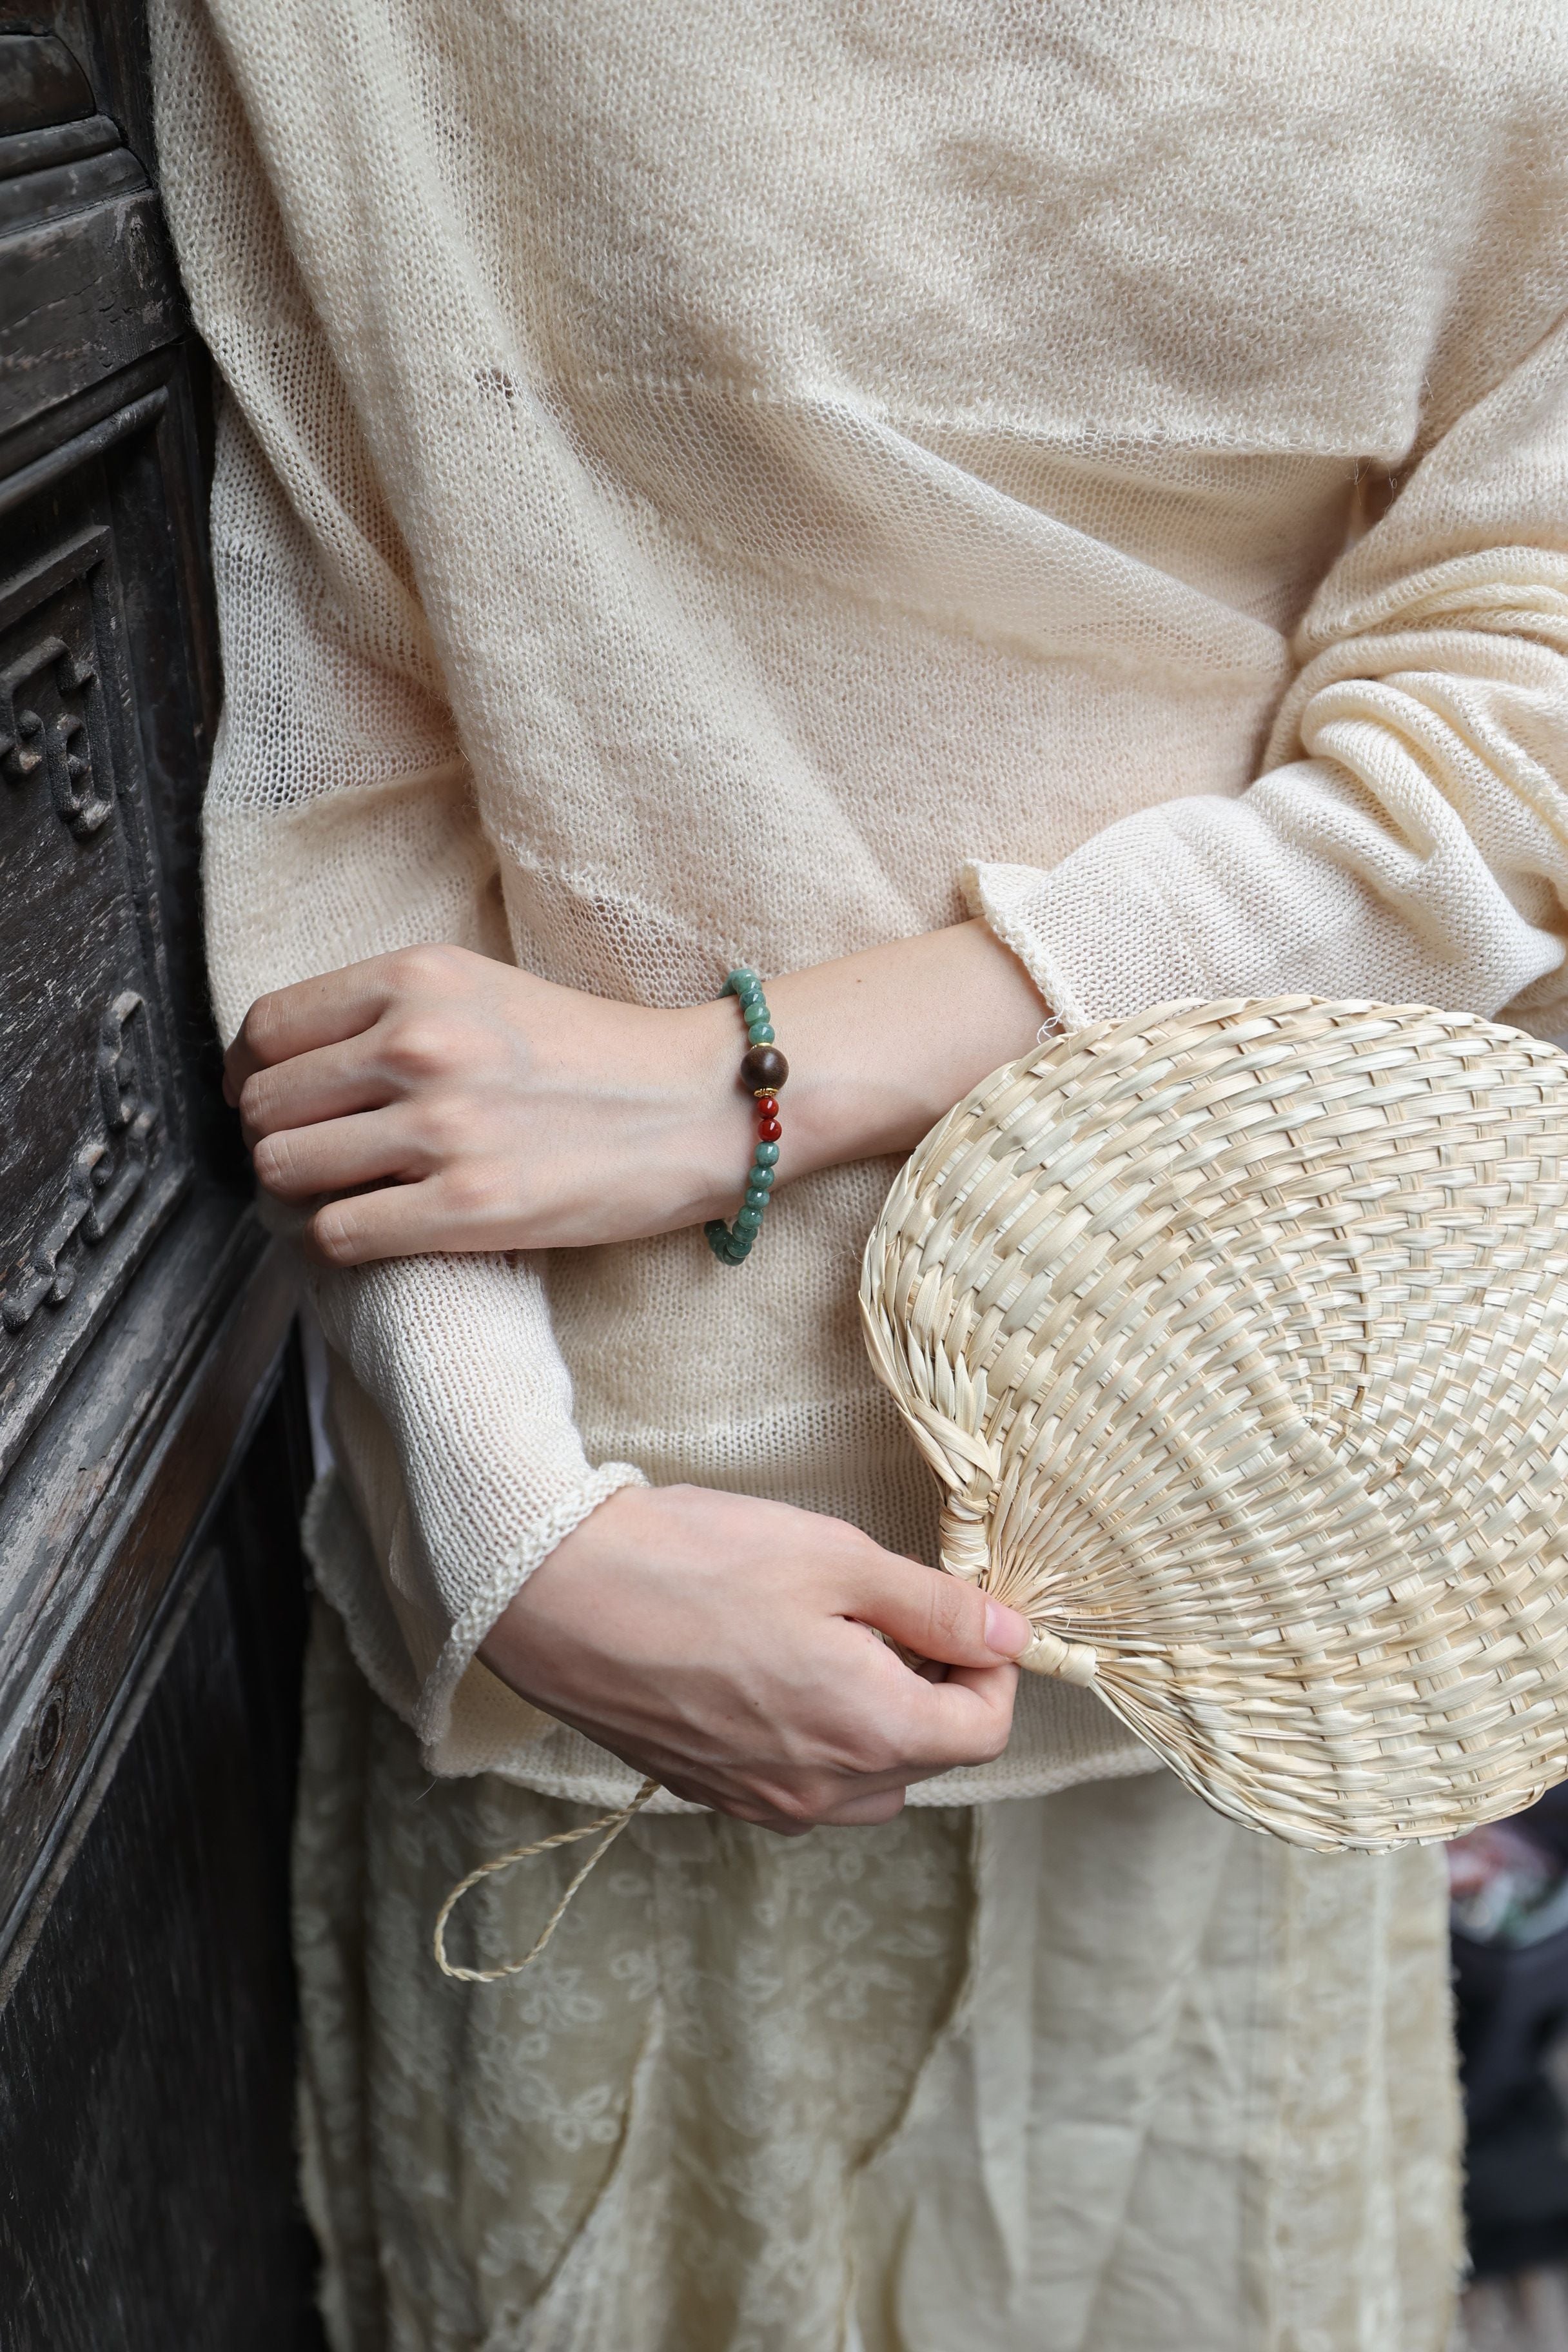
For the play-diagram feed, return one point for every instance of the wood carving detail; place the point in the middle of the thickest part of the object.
(105, 1174)
(55, 740)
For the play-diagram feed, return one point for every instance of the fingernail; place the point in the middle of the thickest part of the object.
(1006, 1631)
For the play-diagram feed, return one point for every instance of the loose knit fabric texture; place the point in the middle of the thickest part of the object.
(707, 482)
(1237, 1336)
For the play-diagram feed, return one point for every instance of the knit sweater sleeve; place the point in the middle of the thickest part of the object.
(1406, 839)
(339, 823)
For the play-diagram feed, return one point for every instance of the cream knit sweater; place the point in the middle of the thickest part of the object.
(705, 480)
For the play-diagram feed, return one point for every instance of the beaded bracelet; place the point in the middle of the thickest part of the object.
(764, 1069)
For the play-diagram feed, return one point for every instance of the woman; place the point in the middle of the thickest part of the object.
(995, 517)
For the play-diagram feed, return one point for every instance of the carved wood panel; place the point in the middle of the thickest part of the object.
(90, 1140)
(142, 1928)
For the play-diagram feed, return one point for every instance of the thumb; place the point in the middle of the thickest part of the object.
(937, 1615)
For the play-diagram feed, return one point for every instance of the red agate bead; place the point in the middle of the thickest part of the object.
(769, 1129)
(767, 1107)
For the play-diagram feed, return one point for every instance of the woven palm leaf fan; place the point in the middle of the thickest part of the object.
(1237, 1337)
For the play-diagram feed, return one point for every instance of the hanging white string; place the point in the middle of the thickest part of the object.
(611, 1824)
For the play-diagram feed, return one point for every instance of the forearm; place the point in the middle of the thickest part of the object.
(883, 1044)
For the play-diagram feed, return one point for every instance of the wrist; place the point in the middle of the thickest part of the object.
(883, 1044)
(880, 1045)
(708, 1140)
(544, 1623)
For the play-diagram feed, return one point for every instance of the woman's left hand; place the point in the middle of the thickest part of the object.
(435, 1099)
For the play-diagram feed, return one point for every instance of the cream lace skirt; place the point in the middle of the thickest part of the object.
(1089, 2073)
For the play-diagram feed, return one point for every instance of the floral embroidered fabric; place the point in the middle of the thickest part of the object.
(1096, 2071)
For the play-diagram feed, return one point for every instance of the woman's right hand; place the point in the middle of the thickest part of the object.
(727, 1647)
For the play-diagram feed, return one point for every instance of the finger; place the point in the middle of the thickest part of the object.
(857, 1801)
(936, 1615)
(322, 1011)
(964, 1720)
(864, 1812)
(750, 1810)
(329, 1082)
(373, 1148)
(432, 1213)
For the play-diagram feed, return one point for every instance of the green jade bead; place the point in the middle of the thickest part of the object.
(764, 1177)
(757, 1197)
(747, 1221)
(761, 1033)
(766, 1155)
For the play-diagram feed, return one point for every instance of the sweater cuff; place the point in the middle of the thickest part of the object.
(466, 1718)
(1095, 934)
(436, 1717)
(450, 1414)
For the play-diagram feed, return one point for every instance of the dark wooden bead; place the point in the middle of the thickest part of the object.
(764, 1069)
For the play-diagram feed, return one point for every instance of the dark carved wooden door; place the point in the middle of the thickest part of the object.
(153, 1441)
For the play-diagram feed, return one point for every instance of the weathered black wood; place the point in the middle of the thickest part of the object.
(104, 400)
(146, 1735)
(95, 440)
(108, 40)
(76, 1631)
(87, 280)
(61, 143)
(146, 2175)
(40, 81)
